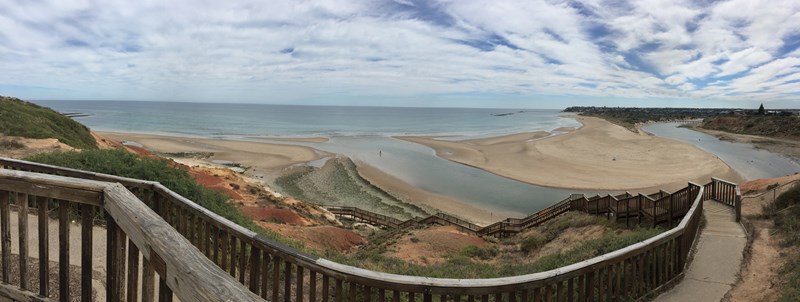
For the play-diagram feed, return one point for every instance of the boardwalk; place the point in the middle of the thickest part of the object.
(717, 261)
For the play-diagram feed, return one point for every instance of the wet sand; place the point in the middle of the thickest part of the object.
(598, 156)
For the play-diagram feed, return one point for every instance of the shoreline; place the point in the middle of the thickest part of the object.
(584, 159)
(268, 161)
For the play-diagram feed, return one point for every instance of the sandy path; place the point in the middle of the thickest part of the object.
(98, 247)
(599, 155)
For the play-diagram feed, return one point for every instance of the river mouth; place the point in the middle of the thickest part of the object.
(750, 162)
(420, 167)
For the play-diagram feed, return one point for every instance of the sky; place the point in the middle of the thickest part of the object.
(448, 53)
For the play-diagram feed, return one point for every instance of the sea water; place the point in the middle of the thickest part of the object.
(204, 119)
(362, 133)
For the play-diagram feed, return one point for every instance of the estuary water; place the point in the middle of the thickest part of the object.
(360, 133)
(751, 163)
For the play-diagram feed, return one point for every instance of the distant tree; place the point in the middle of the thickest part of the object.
(761, 110)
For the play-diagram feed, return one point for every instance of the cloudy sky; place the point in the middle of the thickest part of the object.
(470, 53)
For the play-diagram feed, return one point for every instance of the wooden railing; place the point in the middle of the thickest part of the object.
(728, 193)
(279, 273)
(133, 233)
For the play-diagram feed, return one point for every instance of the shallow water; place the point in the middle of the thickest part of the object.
(749, 162)
(419, 166)
(357, 132)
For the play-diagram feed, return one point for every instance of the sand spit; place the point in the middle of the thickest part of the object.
(599, 155)
(263, 158)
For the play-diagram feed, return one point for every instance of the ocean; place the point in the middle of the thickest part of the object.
(357, 132)
(215, 120)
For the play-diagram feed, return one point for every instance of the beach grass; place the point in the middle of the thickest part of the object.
(785, 214)
(25, 119)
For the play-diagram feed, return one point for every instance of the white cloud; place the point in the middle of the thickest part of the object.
(295, 50)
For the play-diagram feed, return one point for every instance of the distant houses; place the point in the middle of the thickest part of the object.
(764, 112)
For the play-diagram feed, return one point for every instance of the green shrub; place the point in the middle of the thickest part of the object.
(126, 164)
(785, 214)
(593, 248)
(533, 242)
(473, 251)
(20, 118)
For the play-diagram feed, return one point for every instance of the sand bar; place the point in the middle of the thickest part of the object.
(259, 155)
(598, 156)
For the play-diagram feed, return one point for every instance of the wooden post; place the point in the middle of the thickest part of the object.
(44, 249)
(22, 208)
(63, 250)
(639, 209)
(738, 207)
(671, 210)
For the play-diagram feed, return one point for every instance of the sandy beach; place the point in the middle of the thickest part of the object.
(265, 159)
(599, 155)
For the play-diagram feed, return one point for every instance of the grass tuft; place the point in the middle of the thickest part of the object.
(785, 213)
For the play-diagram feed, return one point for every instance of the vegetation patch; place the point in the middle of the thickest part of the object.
(125, 164)
(25, 119)
(770, 125)
(628, 117)
(785, 213)
(506, 257)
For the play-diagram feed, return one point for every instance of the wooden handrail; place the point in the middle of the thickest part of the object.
(277, 272)
(190, 275)
(182, 268)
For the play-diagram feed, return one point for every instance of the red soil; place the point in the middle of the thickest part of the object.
(319, 237)
(762, 184)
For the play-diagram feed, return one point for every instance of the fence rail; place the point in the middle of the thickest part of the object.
(275, 272)
(133, 232)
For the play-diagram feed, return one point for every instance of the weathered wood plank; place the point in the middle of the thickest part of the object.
(242, 260)
(148, 279)
(87, 222)
(77, 190)
(255, 269)
(190, 274)
(63, 250)
(22, 210)
(133, 272)
(67, 172)
(13, 293)
(5, 222)
(44, 240)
